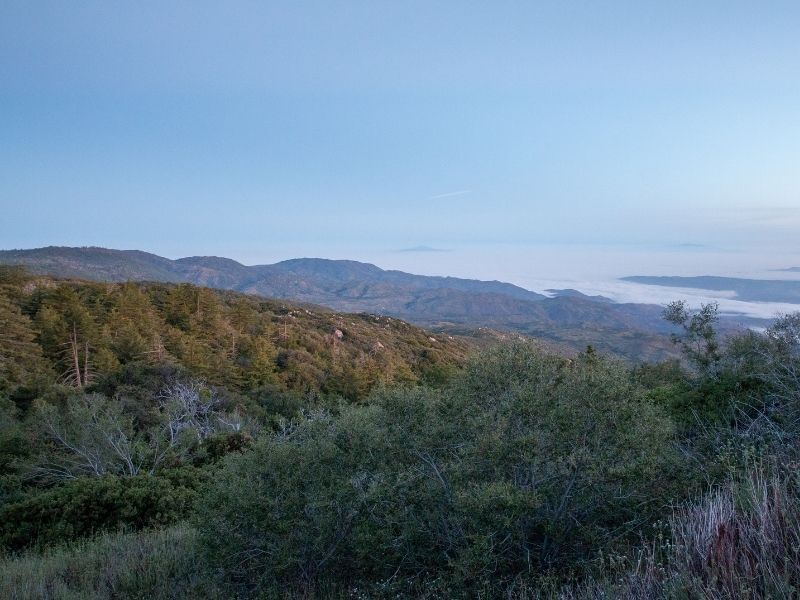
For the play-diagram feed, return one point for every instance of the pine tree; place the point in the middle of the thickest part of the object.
(20, 356)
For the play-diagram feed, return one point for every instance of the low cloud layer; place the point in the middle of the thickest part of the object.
(622, 291)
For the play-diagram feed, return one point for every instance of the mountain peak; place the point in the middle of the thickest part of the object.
(341, 270)
(216, 262)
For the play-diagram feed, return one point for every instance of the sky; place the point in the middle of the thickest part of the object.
(534, 142)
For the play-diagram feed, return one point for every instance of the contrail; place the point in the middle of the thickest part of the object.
(450, 194)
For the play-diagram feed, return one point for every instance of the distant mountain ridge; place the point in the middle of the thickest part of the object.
(448, 303)
(283, 279)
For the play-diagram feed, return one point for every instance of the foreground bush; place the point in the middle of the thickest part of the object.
(526, 463)
(87, 506)
(151, 565)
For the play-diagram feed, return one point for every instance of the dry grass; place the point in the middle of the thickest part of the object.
(741, 541)
(153, 564)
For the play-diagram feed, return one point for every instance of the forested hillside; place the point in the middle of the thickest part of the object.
(83, 334)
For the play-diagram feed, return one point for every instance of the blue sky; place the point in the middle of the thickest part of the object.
(503, 132)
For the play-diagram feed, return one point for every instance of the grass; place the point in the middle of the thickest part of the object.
(740, 541)
(155, 565)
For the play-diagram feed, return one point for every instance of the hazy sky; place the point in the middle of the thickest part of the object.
(511, 134)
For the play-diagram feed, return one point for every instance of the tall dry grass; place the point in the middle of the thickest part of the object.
(740, 541)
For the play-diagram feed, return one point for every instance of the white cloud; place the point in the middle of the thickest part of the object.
(623, 291)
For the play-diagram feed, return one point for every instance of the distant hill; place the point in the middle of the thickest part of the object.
(569, 292)
(570, 318)
(294, 278)
(99, 264)
(754, 290)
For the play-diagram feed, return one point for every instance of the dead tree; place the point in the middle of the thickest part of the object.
(76, 375)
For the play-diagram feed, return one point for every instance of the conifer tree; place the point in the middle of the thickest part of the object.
(20, 356)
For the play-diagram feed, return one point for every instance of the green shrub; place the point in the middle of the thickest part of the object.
(282, 513)
(525, 462)
(14, 447)
(86, 506)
